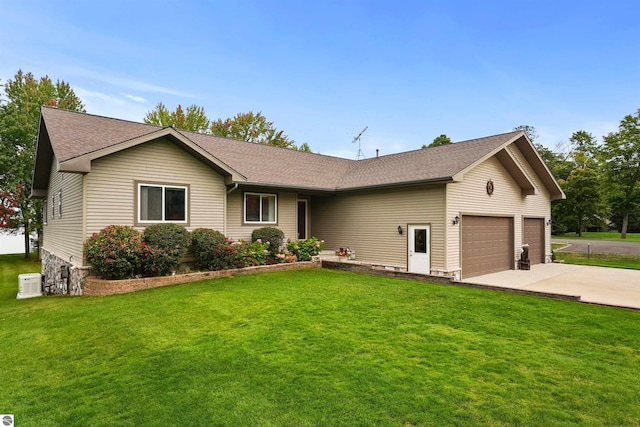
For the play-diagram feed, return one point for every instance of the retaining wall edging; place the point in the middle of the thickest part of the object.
(368, 269)
(99, 287)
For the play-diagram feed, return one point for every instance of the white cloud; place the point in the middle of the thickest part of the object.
(134, 98)
(125, 82)
(85, 95)
(102, 104)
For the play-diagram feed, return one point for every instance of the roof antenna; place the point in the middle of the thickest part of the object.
(357, 138)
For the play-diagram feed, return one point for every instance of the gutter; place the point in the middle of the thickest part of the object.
(441, 180)
(235, 186)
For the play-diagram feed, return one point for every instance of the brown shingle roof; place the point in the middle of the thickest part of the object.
(270, 165)
(75, 134)
(423, 165)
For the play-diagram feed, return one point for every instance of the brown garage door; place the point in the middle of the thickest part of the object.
(534, 236)
(487, 245)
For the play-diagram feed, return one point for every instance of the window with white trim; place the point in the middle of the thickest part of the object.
(260, 208)
(60, 204)
(53, 206)
(162, 203)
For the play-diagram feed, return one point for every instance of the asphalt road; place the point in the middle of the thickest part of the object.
(600, 247)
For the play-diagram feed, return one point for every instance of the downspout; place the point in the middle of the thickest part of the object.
(226, 203)
(235, 186)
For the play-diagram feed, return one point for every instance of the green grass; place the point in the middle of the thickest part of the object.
(314, 348)
(602, 260)
(608, 235)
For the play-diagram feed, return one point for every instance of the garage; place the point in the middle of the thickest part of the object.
(487, 245)
(534, 236)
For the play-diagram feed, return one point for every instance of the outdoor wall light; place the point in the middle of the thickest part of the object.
(400, 230)
(549, 221)
(456, 220)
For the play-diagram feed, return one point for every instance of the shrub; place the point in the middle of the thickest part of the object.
(157, 262)
(286, 256)
(165, 246)
(226, 255)
(273, 235)
(205, 242)
(114, 252)
(254, 253)
(305, 249)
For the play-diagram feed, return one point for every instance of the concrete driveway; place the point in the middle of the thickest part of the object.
(600, 285)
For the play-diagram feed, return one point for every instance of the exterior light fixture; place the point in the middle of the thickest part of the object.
(549, 221)
(400, 230)
(456, 220)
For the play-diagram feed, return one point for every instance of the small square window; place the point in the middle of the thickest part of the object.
(260, 208)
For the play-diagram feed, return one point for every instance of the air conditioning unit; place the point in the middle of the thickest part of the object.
(29, 285)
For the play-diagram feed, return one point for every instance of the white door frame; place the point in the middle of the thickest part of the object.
(418, 251)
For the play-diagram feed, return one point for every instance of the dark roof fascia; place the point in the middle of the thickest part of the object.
(325, 190)
(533, 157)
(512, 167)
(269, 185)
(432, 181)
(42, 162)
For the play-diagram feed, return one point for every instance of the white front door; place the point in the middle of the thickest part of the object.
(419, 249)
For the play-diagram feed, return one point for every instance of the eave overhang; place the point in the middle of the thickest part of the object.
(533, 158)
(293, 187)
(512, 166)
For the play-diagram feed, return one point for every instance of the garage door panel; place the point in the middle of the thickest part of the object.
(487, 245)
(534, 236)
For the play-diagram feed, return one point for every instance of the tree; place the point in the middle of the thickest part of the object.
(439, 140)
(579, 175)
(621, 156)
(304, 147)
(194, 120)
(584, 204)
(251, 127)
(585, 143)
(19, 121)
(530, 131)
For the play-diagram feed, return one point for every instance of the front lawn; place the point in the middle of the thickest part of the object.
(313, 348)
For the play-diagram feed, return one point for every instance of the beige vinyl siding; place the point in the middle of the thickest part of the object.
(286, 221)
(62, 236)
(111, 185)
(367, 222)
(470, 197)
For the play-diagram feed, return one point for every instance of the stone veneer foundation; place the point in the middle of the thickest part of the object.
(53, 280)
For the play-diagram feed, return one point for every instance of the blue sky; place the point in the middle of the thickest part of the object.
(323, 70)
